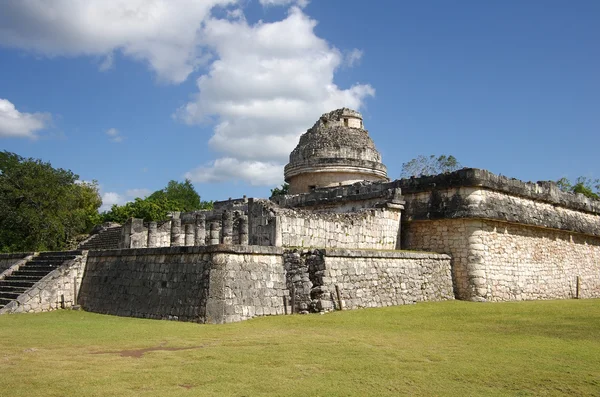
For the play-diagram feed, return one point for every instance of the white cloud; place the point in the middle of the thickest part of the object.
(269, 83)
(110, 198)
(353, 57)
(114, 135)
(264, 84)
(300, 3)
(18, 124)
(229, 169)
(161, 33)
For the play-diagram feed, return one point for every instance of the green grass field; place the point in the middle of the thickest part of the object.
(543, 348)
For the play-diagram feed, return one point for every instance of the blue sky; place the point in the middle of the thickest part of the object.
(219, 91)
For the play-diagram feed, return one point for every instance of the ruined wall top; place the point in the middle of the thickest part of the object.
(337, 144)
(337, 134)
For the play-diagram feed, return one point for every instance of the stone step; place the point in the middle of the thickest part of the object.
(9, 295)
(23, 278)
(39, 268)
(60, 253)
(26, 271)
(16, 283)
(54, 258)
(8, 288)
(48, 261)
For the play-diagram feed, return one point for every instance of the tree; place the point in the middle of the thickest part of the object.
(429, 165)
(280, 191)
(41, 207)
(176, 196)
(183, 194)
(586, 186)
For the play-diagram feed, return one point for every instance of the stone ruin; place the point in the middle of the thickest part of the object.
(344, 238)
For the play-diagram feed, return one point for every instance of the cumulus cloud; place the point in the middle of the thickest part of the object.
(114, 135)
(18, 124)
(110, 198)
(161, 33)
(300, 3)
(268, 84)
(262, 85)
(257, 173)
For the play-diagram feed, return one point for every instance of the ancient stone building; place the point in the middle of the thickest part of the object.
(345, 238)
(336, 151)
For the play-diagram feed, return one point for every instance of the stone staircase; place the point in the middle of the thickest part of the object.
(104, 240)
(30, 273)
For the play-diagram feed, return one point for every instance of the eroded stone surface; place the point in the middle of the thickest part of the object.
(337, 150)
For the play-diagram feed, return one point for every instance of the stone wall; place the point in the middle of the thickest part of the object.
(208, 284)
(366, 278)
(57, 290)
(8, 260)
(376, 228)
(501, 261)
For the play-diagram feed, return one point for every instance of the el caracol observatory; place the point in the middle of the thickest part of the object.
(336, 151)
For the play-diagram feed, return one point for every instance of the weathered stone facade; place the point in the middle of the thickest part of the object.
(213, 284)
(340, 240)
(500, 261)
(336, 151)
(365, 278)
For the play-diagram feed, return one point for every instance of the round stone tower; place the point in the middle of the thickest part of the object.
(336, 151)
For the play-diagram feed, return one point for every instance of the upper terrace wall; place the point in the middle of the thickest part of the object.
(376, 228)
(479, 194)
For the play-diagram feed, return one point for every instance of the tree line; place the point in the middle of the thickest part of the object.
(43, 208)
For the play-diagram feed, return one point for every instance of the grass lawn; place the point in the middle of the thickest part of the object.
(542, 348)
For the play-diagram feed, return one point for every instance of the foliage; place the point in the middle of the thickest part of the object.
(454, 348)
(42, 207)
(429, 165)
(280, 191)
(183, 194)
(586, 186)
(177, 196)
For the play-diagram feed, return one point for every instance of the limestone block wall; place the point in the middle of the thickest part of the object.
(252, 284)
(450, 236)
(502, 261)
(366, 278)
(206, 284)
(376, 228)
(57, 290)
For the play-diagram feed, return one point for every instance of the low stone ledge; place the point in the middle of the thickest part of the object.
(206, 249)
(366, 253)
(546, 191)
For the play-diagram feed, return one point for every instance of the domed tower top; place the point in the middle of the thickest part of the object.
(337, 150)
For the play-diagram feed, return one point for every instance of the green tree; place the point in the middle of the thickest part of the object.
(182, 193)
(280, 191)
(42, 207)
(429, 165)
(586, 186)
(149, 210)
(176, 196)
